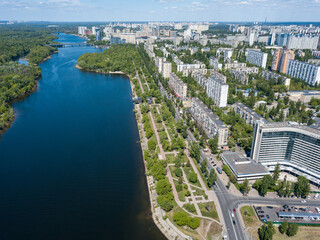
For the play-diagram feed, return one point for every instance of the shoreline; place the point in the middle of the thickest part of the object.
(102, 72)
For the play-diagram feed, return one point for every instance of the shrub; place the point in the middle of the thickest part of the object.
(192, 177)
(178, 172)
(181, 218)
(190, 207)
(193, 222)
(179, 187)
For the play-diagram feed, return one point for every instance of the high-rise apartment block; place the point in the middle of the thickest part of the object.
(281, 59)
(257, 58)
(303, 42)
(177, 86)
(308, 72)
(81, 30)
(218, 89)
(159, 63)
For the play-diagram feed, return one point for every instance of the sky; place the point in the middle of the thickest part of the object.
(161, 10)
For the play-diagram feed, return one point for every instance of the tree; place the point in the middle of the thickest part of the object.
(204, 167)
(165, 202)
(283, 227)
(245, 188)
(158, 171)
(195, 151)
(178, 172)
(213, 143)
(212, 178)
(152, 144)
(266, 232)
(192, 177)
(302, 187)
(292, 229)
(193, 222)
(181, 218)
(163, 187)
(276, 173)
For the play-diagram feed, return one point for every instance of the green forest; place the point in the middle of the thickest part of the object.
(15, 80)
(25, 41)
(116, 58)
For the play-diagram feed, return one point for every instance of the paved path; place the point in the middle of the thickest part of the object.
(163, 155)
(164, 126)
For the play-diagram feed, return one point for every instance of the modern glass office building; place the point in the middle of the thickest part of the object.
(296, 147)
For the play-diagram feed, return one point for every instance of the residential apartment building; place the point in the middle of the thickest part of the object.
(167, 69)
(268, 75)
(281, 59)
(128, 37)
(293, 145)
(247, 114)
(214, 62)
(235, 65)
(303, 42)
(209, 122)
(304, 96)
(81, 30)
(149, 48)
(241, 76)
(177, 86)
(316, 54)
(257, 58)
(186, 69)
(306, 71)
(218, 89)
(201, 79)
(159, 63)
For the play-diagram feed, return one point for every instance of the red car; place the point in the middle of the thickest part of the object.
(234, 210)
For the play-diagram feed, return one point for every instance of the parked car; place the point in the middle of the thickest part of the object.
(269, 207)
(268, 217)
(258, 208)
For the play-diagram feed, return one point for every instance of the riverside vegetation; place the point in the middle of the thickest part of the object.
(17, 80)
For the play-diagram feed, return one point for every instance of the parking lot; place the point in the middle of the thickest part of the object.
(287, 213)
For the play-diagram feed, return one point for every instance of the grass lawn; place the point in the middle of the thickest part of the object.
(214, 231)
(250, 221)
(188, 170)
(181, 194)
(199, 192)
(212, 210)
(201, 174)
(190, 207)
(170, 158)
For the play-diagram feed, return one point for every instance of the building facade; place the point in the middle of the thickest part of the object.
(247, 114)
(281, 59)
(209, 122)
(294, 146)
(257, 58)
(305, 71)
(217, 89)
(177, 86)
(268, 75)
(201, 79)
(167, 69)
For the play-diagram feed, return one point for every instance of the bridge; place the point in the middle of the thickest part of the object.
(69, 45)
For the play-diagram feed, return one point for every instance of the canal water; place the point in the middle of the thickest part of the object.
(70, 165)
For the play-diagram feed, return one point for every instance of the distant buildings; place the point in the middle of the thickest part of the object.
(257, 58)
(189, 68)
(281, 59)
(98, 34)
(218, 89)
(177, 86)
(81, 30)
(234, 65)
(209, 122)
(268, 75)
(306, 71)
(294, 146)
(303, 96)
(128, 37)
(247, 114)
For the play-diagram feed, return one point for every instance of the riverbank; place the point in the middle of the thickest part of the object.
(102, 72)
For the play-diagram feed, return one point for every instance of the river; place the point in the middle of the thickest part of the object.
(70, 165)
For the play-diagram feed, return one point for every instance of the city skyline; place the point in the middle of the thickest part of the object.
(161, 10)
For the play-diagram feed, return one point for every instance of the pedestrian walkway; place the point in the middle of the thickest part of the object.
(163, 155)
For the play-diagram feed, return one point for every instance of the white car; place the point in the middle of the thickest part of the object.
(303, 201)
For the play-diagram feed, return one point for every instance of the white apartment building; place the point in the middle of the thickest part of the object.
(268, 75)
(201, 79)
(189, 68)
(228, 55)
(303, 42)
(209, 122)
(214, 62)
(257, 58)
(217, 89)
(81, 30)
(234, 65)
(149, 48)
(128, 37)
(308, 72)
(159, 63)
(177, 86)
(167, 69)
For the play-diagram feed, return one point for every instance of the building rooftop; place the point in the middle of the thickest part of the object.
(205, 109)
(298, 214)
(243, 166)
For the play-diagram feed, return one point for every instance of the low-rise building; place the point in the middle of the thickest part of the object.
(209, 122)
(186, 69)
(234, 65)
(303, 96)
(239, 75)
(268, 75)
(247, 114)
(201, 79)
(214, 62)
(177, 86)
